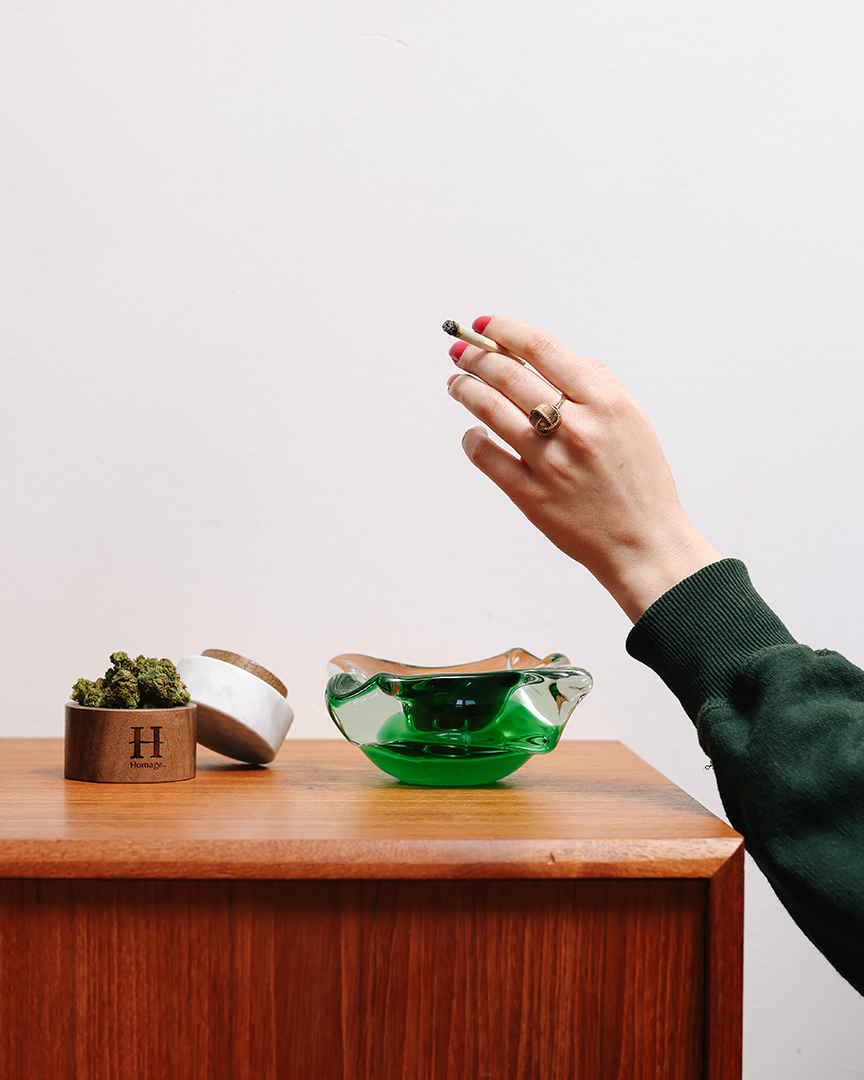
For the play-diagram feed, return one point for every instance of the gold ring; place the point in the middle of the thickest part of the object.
(545, 417)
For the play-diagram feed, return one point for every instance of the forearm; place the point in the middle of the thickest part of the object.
(700, 634)
(784, 728)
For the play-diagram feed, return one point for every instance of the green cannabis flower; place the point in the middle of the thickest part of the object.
(142, 683)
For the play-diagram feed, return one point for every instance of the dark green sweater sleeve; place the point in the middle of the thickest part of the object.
(784, 728)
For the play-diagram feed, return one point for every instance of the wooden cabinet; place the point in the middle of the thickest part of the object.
(314, 919)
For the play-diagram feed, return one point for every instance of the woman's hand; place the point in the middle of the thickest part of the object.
(598, 485)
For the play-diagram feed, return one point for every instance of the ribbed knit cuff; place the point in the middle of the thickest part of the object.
(700, 633)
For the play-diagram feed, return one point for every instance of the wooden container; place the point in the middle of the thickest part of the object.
(130, 746)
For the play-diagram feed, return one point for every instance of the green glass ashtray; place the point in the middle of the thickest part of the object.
(454, 726)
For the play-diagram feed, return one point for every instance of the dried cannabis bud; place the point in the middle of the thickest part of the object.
(142, 683)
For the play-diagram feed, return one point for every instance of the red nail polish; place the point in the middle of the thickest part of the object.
(456, 350)
(453, 379)
(480, 324)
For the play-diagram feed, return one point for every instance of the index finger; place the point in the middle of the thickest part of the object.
(575, 376)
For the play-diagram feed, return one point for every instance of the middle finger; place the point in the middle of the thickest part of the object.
(519, 384)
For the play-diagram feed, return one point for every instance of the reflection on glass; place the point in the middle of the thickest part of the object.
(459, 726)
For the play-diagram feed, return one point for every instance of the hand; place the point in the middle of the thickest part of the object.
(598, 485)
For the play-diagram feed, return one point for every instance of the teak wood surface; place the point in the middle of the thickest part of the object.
(321, 810)
(582, 918)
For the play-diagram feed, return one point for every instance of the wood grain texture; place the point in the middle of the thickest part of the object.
(127, 980)
(724, 955)
(321, 810)
(129, 746)
(581, 919)
(248, 665)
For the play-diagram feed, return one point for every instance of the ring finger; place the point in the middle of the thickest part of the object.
(494, 410)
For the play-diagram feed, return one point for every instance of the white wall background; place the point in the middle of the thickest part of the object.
(230, 233)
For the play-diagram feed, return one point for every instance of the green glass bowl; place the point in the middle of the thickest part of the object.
(458, 726)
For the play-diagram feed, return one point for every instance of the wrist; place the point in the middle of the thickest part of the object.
(641, 575)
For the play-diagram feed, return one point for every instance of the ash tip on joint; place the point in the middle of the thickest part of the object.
(450, 327)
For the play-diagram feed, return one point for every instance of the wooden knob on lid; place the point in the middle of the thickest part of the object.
(248, 665)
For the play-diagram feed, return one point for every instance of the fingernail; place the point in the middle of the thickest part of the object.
(452, 379)
(480, 324)
(457, 348)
